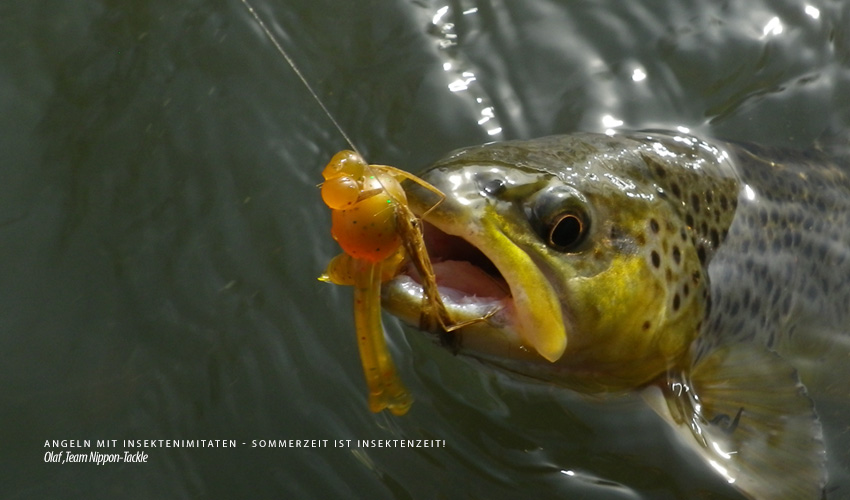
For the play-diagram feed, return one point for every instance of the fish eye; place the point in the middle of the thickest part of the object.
(566, 232)
(559, 215)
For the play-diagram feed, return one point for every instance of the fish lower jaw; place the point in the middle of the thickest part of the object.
(481, 321)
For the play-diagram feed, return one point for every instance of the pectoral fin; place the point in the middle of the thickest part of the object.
(753, 422)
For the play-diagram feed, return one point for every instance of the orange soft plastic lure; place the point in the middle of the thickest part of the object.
(378, 232)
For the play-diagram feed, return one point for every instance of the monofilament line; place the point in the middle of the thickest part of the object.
(297, 71)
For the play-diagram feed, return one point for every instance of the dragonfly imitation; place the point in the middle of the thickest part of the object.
(379, 234)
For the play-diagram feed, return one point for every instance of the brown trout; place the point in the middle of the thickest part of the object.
(712, 276)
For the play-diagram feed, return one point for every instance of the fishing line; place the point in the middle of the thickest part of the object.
(300, 75)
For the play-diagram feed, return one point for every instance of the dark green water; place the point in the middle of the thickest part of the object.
(161, 231)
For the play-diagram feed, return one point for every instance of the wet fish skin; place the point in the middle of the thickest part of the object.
(784, 270)
(734, 258)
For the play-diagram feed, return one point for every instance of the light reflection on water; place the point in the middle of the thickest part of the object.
(166, 230)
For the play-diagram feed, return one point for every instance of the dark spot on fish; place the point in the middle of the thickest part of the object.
(646, 325)
(724, 202)
(777, 296)
(695, 202)
(812, 292)
(715, 238)
(734, 309)
(689, 220)
(763, 216)
(695, 277)
(668, 275)
(653, 225)
(677, 255)
(701, 254)
(755, 307)
(640, 239)
(656, 259)
(807, 250)
(709, 197)
(676, 302)
(659, 170)
(683, 234)
(771, 339)
(775, 216)
(677, 192)
(686, 290)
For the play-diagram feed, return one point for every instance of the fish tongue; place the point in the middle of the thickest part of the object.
(754, 422)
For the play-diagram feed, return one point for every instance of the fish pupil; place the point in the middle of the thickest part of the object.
(567, 232)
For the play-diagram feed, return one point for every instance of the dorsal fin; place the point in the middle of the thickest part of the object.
(753, 422)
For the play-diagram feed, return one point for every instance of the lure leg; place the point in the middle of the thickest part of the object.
(385, 387)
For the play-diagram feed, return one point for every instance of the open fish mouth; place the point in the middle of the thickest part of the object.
(462, 271)
(472, 288)
(498, 299)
